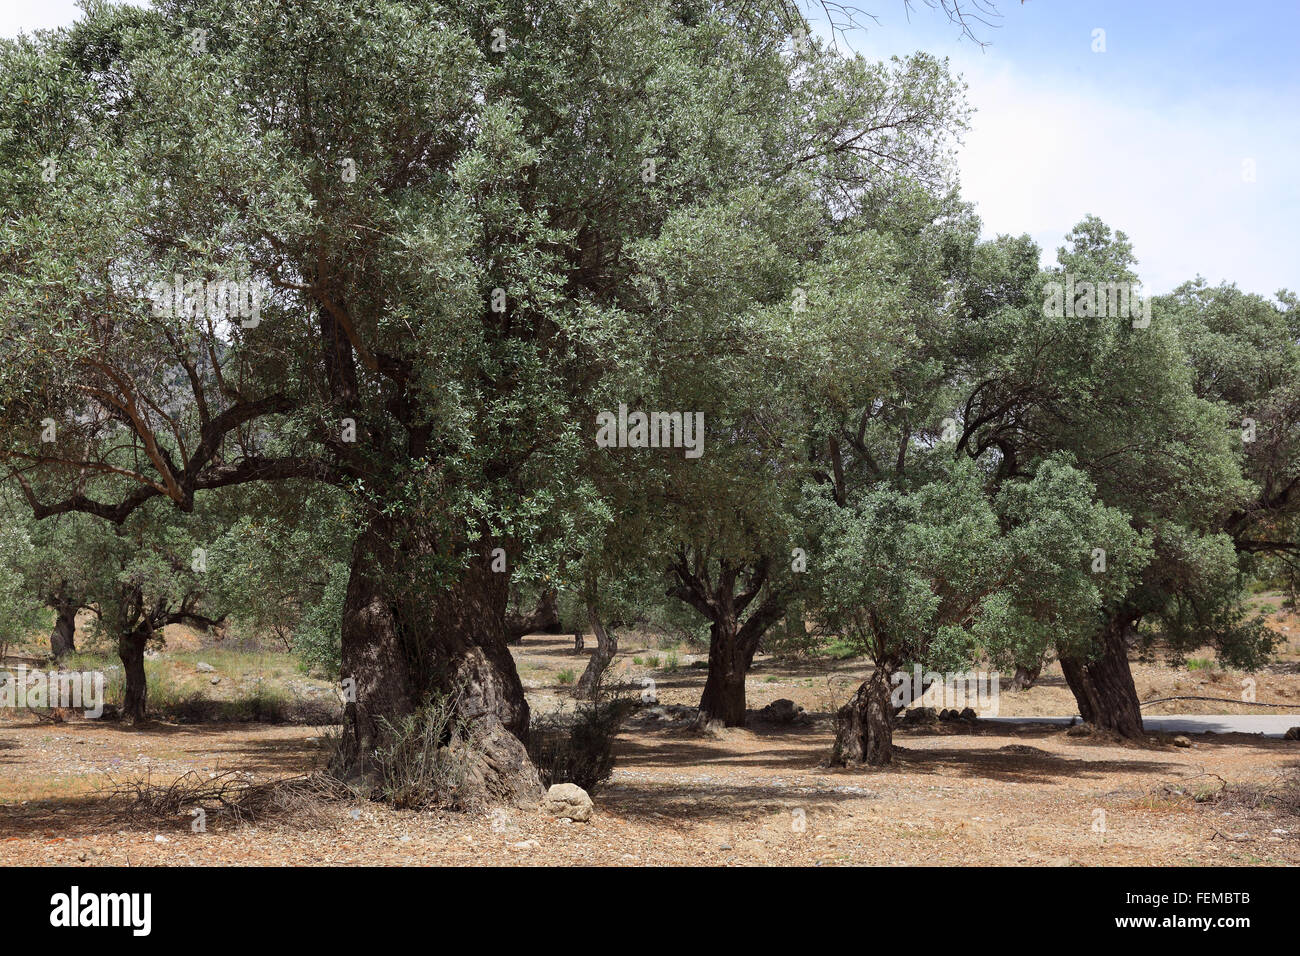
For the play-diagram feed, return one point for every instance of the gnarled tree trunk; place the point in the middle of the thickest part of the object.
(724, 691)
(63, 637)
(606, 648)
(864, 727)
(1103, 687)
(130, 650)
(403, 642)
(543, 619)
(1026, 675)
(732, 644)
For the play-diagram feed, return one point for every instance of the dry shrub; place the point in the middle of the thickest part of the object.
(231, 794)
(1280, 795)
(430, 759)
(579, 749)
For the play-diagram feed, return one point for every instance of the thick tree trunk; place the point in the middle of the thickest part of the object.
(864, 727)
(130, 649)
(731, 654)
(63, 637)
(549, 608)
(606, 648)
(1103, 687)
(732, 645)
(404, 641)
(723, 700)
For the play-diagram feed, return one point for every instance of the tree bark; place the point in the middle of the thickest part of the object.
(130, 650)
(864, 727)
(724, 691)
(549, 608)
(606, 648)
(63, 637)
(404, 642)
(1103, 687)
(732, 647)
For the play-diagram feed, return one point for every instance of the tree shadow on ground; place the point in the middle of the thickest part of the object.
(253, 747)
(93, 809)
(689, 803)
(685, 748)
(1011, 764)
(562, 650)
(986, 753)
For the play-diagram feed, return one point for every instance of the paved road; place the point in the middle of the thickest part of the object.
(1270, 725)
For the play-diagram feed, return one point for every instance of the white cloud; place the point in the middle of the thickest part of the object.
(1045, 151)
(1041, 156)
(30, 15)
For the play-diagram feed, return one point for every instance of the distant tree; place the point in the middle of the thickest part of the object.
(147, 573)
(281, 568)
(945, 576)
(20, 610)
(55, 571)
(1068, 369)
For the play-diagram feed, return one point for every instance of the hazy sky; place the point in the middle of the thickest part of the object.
(1157, 135)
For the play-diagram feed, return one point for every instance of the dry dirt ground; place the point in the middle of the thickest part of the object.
(956, 794)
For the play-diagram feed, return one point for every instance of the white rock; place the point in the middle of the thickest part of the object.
(568, 802)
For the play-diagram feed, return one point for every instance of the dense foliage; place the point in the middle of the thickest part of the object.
(339, 295)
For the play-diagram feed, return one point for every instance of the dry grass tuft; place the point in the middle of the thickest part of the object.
(229, 794)
(1280, 795)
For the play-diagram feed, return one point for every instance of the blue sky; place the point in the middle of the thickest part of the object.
(1157, 134)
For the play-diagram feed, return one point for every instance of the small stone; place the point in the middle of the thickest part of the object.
(568, 801)
(161, 839)
(1079, 730)
(204, 668)
(1292, 734)
(214, 681)
(1181, 741)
